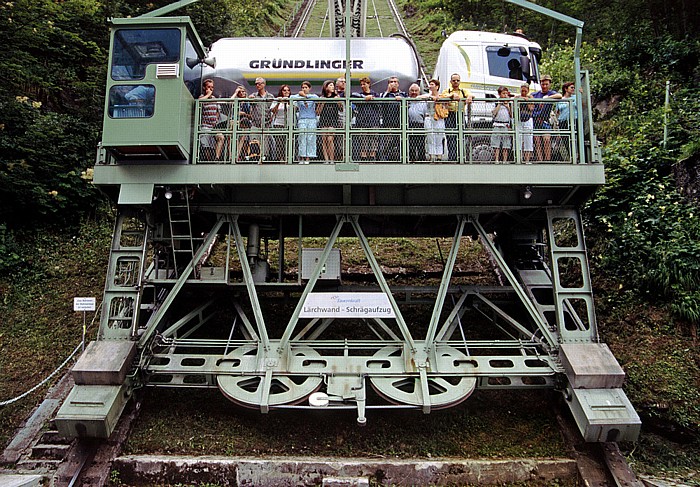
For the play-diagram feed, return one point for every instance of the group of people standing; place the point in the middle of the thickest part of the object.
(534, 121)
(262, 110)
(253, 120)
(429, 115)
(316, 112)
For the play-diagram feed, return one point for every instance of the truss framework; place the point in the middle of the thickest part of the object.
(279, 360)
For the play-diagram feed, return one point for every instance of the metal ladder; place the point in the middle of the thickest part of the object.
(536, 279)
(181, 240)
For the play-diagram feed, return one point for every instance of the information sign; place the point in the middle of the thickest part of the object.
(347, 305)
(84, 304)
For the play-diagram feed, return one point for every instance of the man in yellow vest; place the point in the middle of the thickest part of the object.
(455, 93)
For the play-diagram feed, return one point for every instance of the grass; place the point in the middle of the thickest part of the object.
(491, 424)
(38, 327)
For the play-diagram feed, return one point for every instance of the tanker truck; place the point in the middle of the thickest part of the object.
(292, 60)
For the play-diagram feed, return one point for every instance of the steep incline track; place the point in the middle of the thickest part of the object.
(383, 20)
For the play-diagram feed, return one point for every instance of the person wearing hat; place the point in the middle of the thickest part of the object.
(540, 118)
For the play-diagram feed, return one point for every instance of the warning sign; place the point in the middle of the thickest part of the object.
(84, 304)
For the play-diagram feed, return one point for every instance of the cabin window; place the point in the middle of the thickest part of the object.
(509, 62)
(134, 49)
(193, 69)
(131, 101)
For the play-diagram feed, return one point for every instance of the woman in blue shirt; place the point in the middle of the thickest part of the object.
(306, 121)
(564, 107)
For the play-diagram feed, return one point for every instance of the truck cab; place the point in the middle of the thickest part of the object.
(485, 61)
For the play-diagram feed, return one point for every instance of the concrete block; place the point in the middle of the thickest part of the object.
(591, 366)
(604, 415)
(13, 480)
(292, 471)
(104, 362)
(91, 411)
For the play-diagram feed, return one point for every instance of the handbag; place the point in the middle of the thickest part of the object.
(441, 111)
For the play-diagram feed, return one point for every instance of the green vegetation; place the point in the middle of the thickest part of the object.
(490, 424)
(52, 96)
(39, 328)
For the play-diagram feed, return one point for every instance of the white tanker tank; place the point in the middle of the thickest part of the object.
(292, 60)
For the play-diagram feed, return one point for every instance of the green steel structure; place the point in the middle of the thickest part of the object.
(194, 297)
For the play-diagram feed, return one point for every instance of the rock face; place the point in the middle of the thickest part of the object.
(687, 174)
(606, 106)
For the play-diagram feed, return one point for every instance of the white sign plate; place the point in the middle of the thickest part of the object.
(347, 305)
(84, 304)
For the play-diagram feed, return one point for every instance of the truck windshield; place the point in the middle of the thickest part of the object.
(134, 49)
(509, 62)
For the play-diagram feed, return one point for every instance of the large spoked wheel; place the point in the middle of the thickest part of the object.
(444, 392)
(247, 390)
(481, 150)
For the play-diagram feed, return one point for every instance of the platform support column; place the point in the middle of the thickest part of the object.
(123, 284)
(294, 319)
(571, 279)
(377, 269)
(250, 284)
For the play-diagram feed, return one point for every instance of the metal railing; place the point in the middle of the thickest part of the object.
(406, 131)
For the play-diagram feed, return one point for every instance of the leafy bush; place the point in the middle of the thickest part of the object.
(652, 233)
(42, 157)
(685, 114)
(646, 233)
(607, 77)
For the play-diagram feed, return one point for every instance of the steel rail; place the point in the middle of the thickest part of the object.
(303, 19)
(404, 33)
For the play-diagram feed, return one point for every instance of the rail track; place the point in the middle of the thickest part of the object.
(91, 462)
(598, 464)
(312, 20)
(385, 21)
(302, 18)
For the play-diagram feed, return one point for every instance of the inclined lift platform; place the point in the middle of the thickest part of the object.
(226, 273)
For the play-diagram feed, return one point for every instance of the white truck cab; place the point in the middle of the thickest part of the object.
(485, 61)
